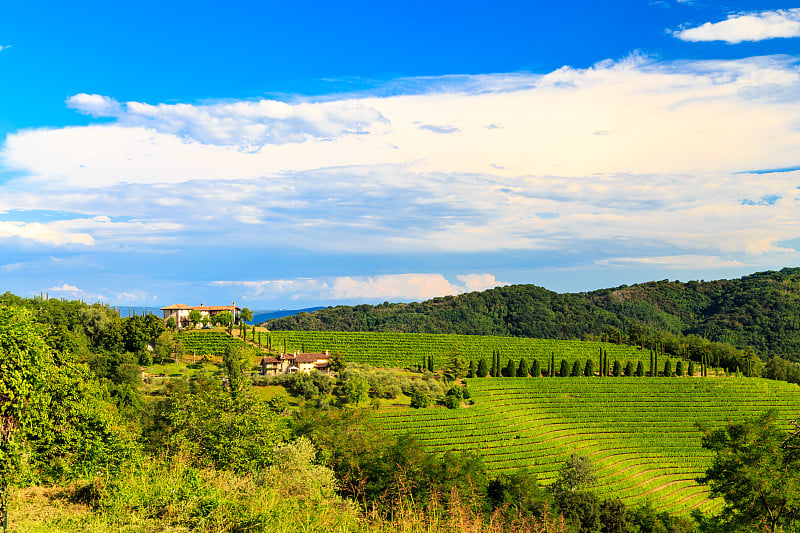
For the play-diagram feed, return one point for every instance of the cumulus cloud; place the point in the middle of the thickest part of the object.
(657, 116)
(57, 234)
(740, 27)
(392, 287)
(72, 289)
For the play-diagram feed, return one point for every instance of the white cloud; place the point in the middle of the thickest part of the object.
(479, 282)
(746, 27)
(246, 125)
(72, 289)
(679, 117)
(54, 233)
(624, 152)
(365, 288)
(681, 262)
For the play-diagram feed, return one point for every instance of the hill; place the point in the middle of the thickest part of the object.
(761, 311)
(640, 433)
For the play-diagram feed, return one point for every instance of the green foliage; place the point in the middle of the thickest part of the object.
(756, 470)
(691, 369)
(236, 362)
(246, 315)
(224, 318)
(213, 427)
(576, 369)
(523, 371)
(629, 369)
(195, 316)
(639, 369)
(588, 370)
(419, 398)
(54, 419)
(667, 369)
(355, 389)
(563, 371)
(483, 369)
(679, 369)
(536, 369)
(617, 371)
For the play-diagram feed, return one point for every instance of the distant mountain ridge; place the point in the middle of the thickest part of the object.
(761, 311)
(263, 316)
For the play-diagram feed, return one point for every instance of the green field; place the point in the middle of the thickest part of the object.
(640, 433)
(408, 349)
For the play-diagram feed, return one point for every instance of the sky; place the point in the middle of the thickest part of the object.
(297, 154)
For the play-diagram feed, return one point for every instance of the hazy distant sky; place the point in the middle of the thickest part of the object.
(289, 154)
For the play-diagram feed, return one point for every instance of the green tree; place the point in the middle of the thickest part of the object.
(419, 398)
(236, 361)
(523, 371)
(576, 369)
(588, 370)
(577, 473)
(756, 471)
(667, 369)
(225, 318)
(536, 369)
(691, 369)
(471, 371)
(483, 371)
(245, 315)
(510, 370)
(679, 368)
(640, 369)
(617, 368)
(628, 369)
(564, 370)
(195, 317)
(356, 389)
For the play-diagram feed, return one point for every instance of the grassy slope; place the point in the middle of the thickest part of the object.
(640, 432)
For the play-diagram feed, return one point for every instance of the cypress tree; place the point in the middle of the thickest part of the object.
(655, 360)
(640, 369)
(691, 369)
(629, 369)
(553, 364)
(576, 369)
(617, 368)
(679, 369)
(652, 364)
(524, 369)
(471, 371)
(668, 369)
(510, 370)
(536, 370)
(588, 371)
(564, 368)
(483, 369)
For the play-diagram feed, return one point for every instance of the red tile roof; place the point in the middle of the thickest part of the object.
(307, 357)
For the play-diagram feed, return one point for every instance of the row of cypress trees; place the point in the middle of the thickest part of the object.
(523, 369)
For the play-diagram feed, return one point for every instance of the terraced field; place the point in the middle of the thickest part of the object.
(640, 433)
(409, 349)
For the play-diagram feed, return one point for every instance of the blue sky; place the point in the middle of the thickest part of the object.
(285, 155)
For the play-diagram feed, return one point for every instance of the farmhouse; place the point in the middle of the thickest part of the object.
(295, 362)
(180, 312)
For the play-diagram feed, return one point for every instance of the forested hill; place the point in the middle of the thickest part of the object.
(761, 310)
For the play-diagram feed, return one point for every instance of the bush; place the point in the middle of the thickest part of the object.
(419, 399)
